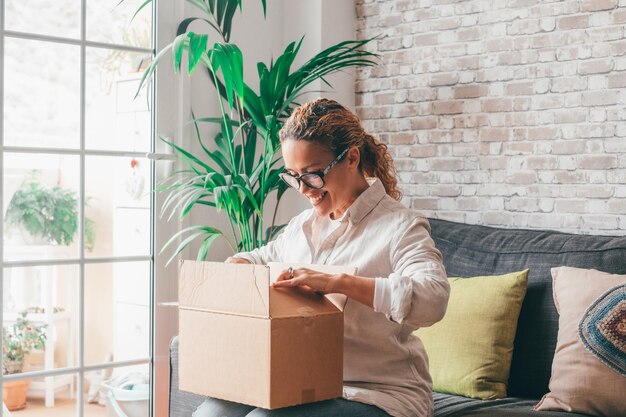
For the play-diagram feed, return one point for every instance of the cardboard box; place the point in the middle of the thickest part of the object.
(244, 341)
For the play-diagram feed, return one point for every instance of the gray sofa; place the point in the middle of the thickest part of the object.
(470, 250)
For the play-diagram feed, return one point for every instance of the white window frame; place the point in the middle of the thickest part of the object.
(172, 109)
(167, 118)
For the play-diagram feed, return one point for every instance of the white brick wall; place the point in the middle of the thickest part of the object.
(502, 112)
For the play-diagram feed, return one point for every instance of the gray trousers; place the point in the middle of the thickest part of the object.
(338, 407)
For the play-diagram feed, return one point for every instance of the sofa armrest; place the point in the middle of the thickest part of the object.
(182, 404)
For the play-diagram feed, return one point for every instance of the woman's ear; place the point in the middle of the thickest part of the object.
(353, 157)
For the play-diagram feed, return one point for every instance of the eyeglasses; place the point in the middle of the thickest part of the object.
(310, 179)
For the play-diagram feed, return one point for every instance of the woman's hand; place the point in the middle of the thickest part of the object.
(360, 289)
(233, 260)
(319, 282)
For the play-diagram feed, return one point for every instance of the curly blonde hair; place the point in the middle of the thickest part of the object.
(328, 122)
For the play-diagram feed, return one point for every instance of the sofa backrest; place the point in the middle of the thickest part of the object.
(471, 250)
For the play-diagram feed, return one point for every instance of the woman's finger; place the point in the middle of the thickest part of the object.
(286, 274)
(282, 277)
(287, 282)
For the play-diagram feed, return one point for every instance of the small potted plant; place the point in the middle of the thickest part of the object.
(18, 340)
(48, 215)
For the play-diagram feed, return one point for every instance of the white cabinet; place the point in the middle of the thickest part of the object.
(131, 287)
(131, 280)
(132, 333)
(131, 231)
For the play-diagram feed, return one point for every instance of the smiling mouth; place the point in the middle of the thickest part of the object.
(316, 200)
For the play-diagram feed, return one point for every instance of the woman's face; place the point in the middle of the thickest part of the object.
(340, 186)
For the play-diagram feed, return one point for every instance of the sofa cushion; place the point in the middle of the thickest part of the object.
(454, 406)
(469, 351)
(582, 381)
(471, 250)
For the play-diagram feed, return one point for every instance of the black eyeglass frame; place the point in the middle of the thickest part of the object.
(320, 174)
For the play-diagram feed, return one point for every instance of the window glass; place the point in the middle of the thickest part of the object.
(40, 197)
(117, 313)
(114, 390)
(117, 206)
(62, 17)
(110, 21)
(40, 306)
(115, 119)
(41, 94)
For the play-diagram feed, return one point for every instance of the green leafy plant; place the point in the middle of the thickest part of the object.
(18, 340)
(47, 212)
(239, 168)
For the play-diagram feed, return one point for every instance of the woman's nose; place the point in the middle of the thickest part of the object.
(303, 187)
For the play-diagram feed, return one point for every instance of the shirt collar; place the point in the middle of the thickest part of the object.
(366, 202)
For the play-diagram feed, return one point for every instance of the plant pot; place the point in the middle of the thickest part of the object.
(14, 394)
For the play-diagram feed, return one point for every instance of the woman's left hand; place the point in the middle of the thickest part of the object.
(319, 282)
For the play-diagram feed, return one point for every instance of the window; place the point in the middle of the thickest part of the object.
(78, 217)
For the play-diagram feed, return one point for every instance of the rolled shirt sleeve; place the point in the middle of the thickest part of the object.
(382, 296)
(418, 289)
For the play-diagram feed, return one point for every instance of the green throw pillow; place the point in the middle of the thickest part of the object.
(470, 350)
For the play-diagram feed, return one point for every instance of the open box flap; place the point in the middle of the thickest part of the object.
(239, 289)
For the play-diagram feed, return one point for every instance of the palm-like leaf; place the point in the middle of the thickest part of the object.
(234, 173)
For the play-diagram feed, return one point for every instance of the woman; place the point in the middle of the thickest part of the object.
(356, 220)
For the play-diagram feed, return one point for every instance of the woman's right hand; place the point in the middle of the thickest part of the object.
(233, 260)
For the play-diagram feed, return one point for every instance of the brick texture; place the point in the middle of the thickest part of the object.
(502, 113)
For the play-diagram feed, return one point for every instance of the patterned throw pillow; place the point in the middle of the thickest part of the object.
(588, 367)
(603, 329)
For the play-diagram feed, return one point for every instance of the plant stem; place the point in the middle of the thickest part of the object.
(232, 229)
(231, 148)
(269, 237)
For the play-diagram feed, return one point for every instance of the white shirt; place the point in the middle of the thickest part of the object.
(321, 228)
(384, 364)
